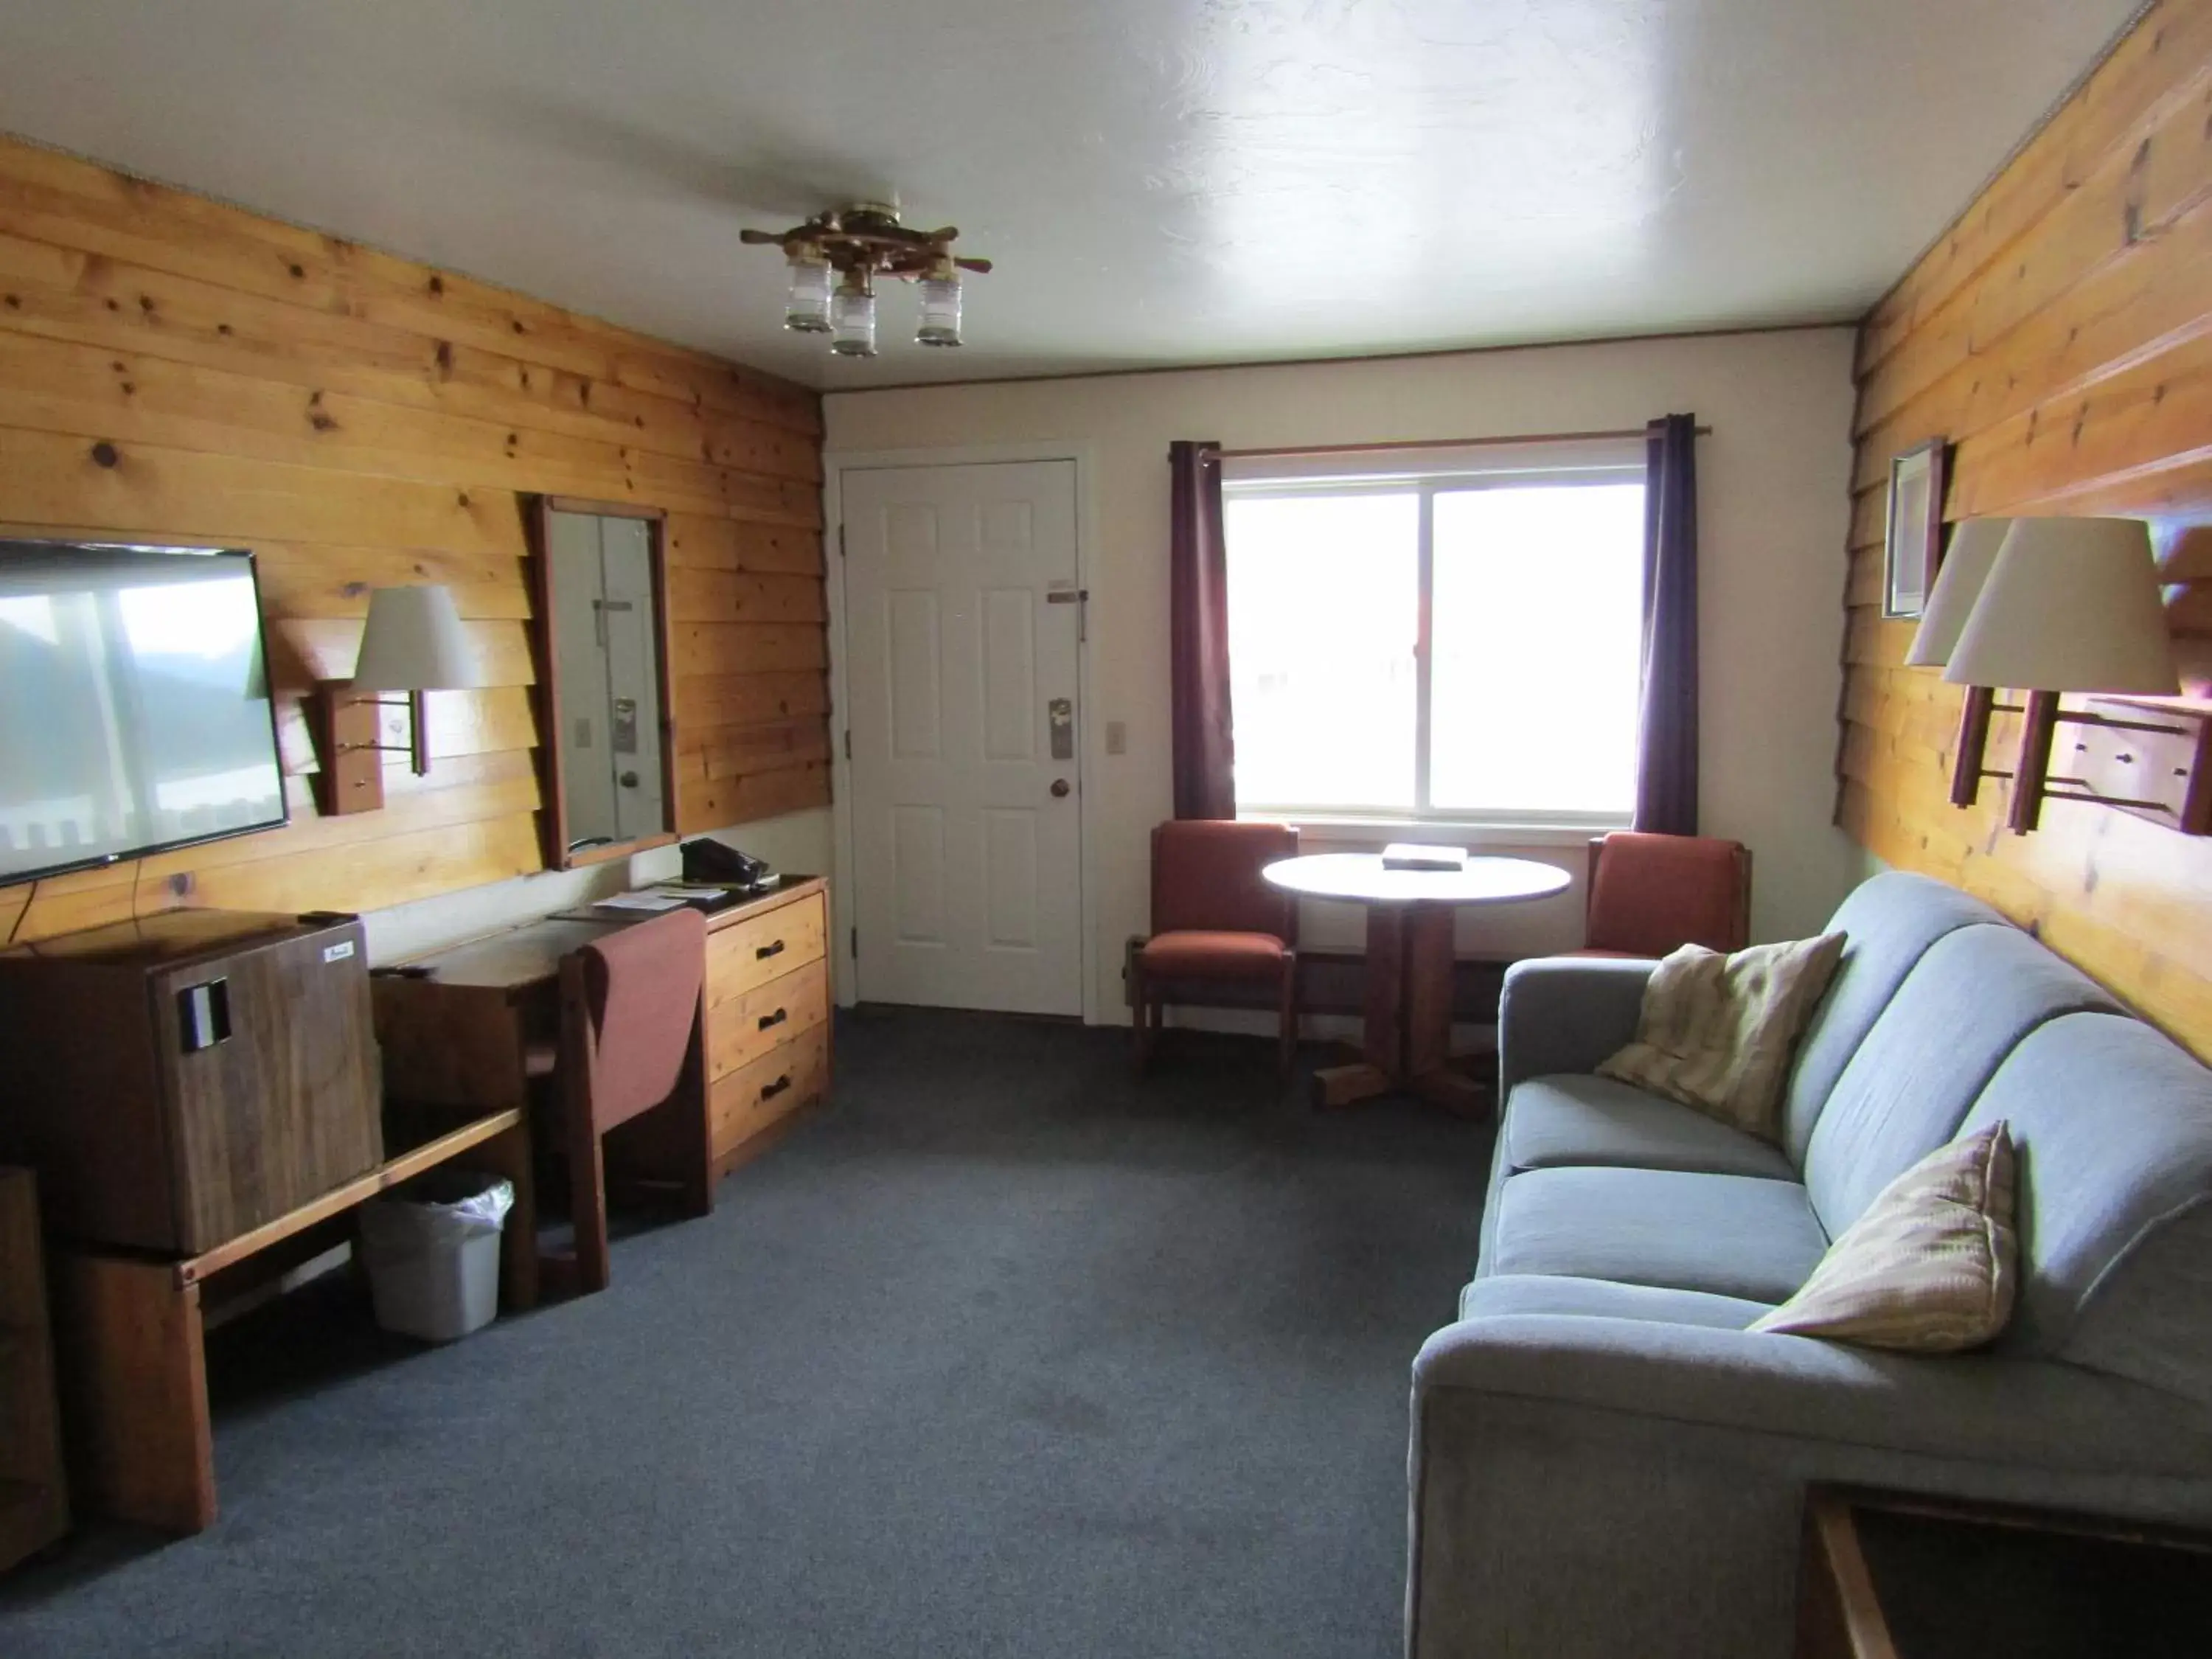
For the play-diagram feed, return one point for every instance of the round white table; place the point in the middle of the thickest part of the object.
(1409, 963)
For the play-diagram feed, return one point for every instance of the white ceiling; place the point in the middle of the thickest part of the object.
(1161, 181)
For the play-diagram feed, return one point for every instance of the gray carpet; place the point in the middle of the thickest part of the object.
(1003, 1353)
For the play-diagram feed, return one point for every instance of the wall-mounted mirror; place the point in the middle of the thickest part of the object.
(605, 746)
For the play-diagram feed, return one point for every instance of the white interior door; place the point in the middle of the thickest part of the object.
(962, 676)
(633, 677)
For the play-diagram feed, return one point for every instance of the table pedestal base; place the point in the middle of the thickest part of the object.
(1407, 1045)
(1348, 1085)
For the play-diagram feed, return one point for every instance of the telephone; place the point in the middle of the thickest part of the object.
(706, 860)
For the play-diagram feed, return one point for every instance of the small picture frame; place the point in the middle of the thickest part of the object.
(1914, 539)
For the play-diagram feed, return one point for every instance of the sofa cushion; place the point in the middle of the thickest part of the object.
(1973, 995)
(1887, 924)
(1740, 1235)
(1716, 1031)
(1933, 1265)
(2114, 1127)
(1597, 1299)
(1573, 1120)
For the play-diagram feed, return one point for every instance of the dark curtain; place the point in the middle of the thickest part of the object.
(1666, 746)
(1198, 635)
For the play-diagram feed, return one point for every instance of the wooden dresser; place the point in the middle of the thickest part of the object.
(768, 1013)
(464, 1032)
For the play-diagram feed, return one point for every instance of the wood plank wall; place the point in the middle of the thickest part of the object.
(2060, 335)
(175, 370)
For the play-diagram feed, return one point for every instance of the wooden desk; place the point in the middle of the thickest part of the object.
(1889, 1575)
(471, 1033)
(130, 1330)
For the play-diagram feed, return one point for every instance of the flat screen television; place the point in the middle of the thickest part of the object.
(134, 704)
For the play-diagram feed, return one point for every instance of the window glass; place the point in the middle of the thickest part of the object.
(1323, 602)
(1535, 602)
(1537, 610)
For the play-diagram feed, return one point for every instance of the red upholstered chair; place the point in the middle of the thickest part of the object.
(1215, 920)
(633, 1074)
(1649, 894)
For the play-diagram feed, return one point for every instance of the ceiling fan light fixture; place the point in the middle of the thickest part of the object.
(806, 307)
(834, 258)
(852, 316)
(939, 323)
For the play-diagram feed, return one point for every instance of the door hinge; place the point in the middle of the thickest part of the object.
(856, 945)
(841, 540)
(849, 743)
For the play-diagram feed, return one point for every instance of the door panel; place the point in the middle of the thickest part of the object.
(967, 869)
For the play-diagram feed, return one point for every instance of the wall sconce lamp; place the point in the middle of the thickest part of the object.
(412, 642)
(2051, 606)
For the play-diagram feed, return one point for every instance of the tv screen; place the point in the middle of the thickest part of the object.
(134, 704)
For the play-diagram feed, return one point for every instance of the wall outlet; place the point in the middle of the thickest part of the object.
(1117, 737)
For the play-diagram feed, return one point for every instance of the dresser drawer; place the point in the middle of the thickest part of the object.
(749, 1099)
(749, 954)
(744, 1028)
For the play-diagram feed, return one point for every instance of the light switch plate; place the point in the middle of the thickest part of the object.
(1117, 737)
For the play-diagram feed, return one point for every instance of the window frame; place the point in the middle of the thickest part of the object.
(1426, 484)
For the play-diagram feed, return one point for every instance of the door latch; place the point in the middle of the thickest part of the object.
(1079, 596)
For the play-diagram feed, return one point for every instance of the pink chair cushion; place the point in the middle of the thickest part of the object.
(1653, 893)
(1206, 876)
(1196, 953)
(642, 984)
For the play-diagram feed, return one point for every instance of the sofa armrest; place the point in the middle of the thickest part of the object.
(1566, 1014)
(1761, 1384)
(1584, 1487)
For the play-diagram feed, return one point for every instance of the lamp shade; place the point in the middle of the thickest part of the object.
(414, 642)
(1967, 561)
(2070, 605)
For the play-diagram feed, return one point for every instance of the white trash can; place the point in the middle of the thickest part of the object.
(433, 1254)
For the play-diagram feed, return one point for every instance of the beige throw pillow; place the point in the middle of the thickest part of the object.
(1716, 1031)
(1930, 1267)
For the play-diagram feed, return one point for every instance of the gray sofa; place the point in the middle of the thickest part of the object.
(1606, 1462)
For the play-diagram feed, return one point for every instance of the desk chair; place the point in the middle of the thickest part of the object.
(1649, 894)
(1214, 919)
(632, 1074)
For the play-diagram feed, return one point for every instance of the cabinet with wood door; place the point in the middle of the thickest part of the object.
(768, 1015)
(33, 1497)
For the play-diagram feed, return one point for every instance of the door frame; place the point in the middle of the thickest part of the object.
(835, 464)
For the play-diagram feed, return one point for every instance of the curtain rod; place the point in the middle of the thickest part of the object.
(1439, 443)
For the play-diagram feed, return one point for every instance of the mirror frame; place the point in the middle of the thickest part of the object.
(545, 699)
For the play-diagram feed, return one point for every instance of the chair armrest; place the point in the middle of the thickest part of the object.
(1800, 1392)
(1566, 1014)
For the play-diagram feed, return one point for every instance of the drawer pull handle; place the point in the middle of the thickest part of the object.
(768, 950)
(769, 1091)
(775, 1018)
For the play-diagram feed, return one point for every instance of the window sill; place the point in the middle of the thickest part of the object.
(1360, 831)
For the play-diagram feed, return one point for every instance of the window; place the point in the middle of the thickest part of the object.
(1520, 704)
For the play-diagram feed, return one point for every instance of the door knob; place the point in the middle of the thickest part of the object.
(1059, 788)
(628, 780)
